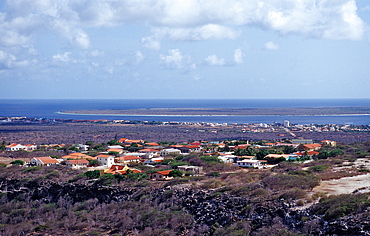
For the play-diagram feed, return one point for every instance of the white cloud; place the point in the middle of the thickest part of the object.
(205, 32)
(214, 60)
(151, 43)
(271, 46)
(63, 57)
(189, 20)
(9, 61)
(239, 56)
(139, 57)
(174, 59)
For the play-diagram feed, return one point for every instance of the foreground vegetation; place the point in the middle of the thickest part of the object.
(47, 200)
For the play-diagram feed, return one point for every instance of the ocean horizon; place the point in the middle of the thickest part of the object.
(53, 109)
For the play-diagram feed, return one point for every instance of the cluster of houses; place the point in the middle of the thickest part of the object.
(116, 158)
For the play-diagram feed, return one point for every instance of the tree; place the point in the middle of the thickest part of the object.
(289, 149)
(261, 154)
(113, 142)
(93, 174)
(175, 173)
(94, 163)
(17, 162)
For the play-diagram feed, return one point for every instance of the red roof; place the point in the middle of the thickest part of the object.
(128, 158)
(47, 160)
(164, 172)
(80, 161)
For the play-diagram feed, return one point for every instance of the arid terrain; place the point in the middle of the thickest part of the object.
(99, 133)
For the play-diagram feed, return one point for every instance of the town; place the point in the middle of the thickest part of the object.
(217, 187)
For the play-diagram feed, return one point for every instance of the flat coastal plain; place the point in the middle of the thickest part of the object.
(298, 111)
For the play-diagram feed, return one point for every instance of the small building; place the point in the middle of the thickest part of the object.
(77, 155)
(170, 151)
(309, 147)
(127, 159)
(106, 160)
(329, 143)
(121, 169)
(195, 169)
(276, 156)
(161, 175)
(17, 147)
(77, 164)
(154, 160)
(43, 161)
(251, 163)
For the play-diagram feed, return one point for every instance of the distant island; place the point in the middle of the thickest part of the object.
(299, 111)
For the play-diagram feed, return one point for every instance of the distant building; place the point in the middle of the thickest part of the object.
(286, 123)
(106, 160)
(302, 141)
(43, 161)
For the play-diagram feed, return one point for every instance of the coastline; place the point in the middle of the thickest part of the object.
(224, 112)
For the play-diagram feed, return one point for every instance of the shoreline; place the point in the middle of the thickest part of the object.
(193, 115)
(224, 112)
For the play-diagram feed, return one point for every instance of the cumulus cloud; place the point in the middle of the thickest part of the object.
(139, 57)
(239, 56)
(10, 61)
(213, 60)
(271, 46)
(189, 20)
(205, 32)
(151, 43)
(63, 57)
(174, 59)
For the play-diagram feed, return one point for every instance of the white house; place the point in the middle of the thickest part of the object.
(43, 161)
(227, 158)
(106, 160)
(16, 147)
(169, 151)
(251, 163)
(77, 164)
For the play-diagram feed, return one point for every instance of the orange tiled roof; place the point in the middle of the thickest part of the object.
(164, 172)
(81, 161)
(76, 155)
(47, 160)
(152, 144)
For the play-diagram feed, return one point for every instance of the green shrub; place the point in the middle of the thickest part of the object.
(341, 205)
(92, 174)
(318, 168)
(17, 162)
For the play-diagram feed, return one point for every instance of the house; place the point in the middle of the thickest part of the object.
(127, 159)
(77, 155)
(154, 160)
(43, 161)
(302, 141)
(309, 147)
(170, 151)
(115, 150)
(77, 164)
(83, 147)
(275, 156)
(329, 143)
(106, 160)
(227, 158)
(194, 148)
(16, 147)
(251, 163)
(149, 152)
(120, 169)
(195, 169)
(161, 175)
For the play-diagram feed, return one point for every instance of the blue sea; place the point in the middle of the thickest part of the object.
(51, 108)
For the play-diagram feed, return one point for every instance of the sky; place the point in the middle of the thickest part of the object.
(201, 49)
